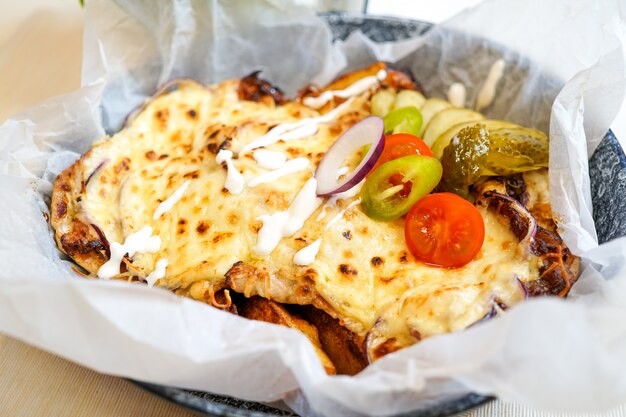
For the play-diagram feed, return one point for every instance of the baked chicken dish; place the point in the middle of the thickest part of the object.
(363, 214)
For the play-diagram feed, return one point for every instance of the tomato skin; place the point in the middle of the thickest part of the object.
(400, 145)
(443, 229)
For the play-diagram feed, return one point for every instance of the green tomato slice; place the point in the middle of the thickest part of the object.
(391, 190)
(403, 120)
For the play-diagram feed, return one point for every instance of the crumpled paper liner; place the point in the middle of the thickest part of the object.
(548, 353)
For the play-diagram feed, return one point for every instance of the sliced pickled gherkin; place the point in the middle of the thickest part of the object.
(445, 138)
(408, 98)
(382, 102)
(515, 150)
(430, 108)
(463, 159)
(447, 118)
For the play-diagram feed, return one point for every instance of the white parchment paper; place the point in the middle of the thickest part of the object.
(548, 353)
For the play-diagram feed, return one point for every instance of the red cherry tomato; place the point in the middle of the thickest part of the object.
(444, 229)
(399, 145)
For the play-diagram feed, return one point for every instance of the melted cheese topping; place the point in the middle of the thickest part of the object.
(363, 271)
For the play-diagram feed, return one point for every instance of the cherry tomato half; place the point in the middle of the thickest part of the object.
(444, 229)
(399, 145)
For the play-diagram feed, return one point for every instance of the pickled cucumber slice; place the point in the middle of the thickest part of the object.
(447, 118)
(430, 108)
(515, 150)
(409, 98)
(464, 158)
(382, 102)
(444, 139)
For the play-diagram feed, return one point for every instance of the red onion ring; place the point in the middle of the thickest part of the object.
(100, 165)
(524, 288)
(103, 239)
(521, 222)
(369, 131)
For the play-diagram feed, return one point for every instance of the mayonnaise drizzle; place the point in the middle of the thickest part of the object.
(296, 130)
(341, 171)
(340, 214)
(286, 223)
(359, 87)
(300, 132)
(332, 202)
(306, 255)
(140, 241)
(488, 91)
(292, 166)
(457, 95)
(269, 159)
(234, 180)
(167, 205)
(158, 273)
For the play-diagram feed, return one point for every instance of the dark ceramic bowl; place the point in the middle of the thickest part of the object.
(607, 169)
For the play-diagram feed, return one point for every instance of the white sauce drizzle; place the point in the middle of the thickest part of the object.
(167, 205)
(340, 214)
(300, 132)
(291, 167)
(269, 159)
(341, 171)
(297, 130)
(158, 273)
(234, 180)
(457, 95)
(332, 202)
(140, 241)
(286, 223)
(488, 91)
(359, 87)
(306, 255)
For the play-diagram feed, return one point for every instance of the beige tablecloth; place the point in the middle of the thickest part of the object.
(39, 60)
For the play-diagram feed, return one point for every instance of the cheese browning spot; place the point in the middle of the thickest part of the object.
(233, 218)
(202, 227)
(403, 257)
(193, 174)
(175, 137)
(161, 117)
(61, 208)
(151, 155)
(347, 269)
(377, 261)
(219, 236)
